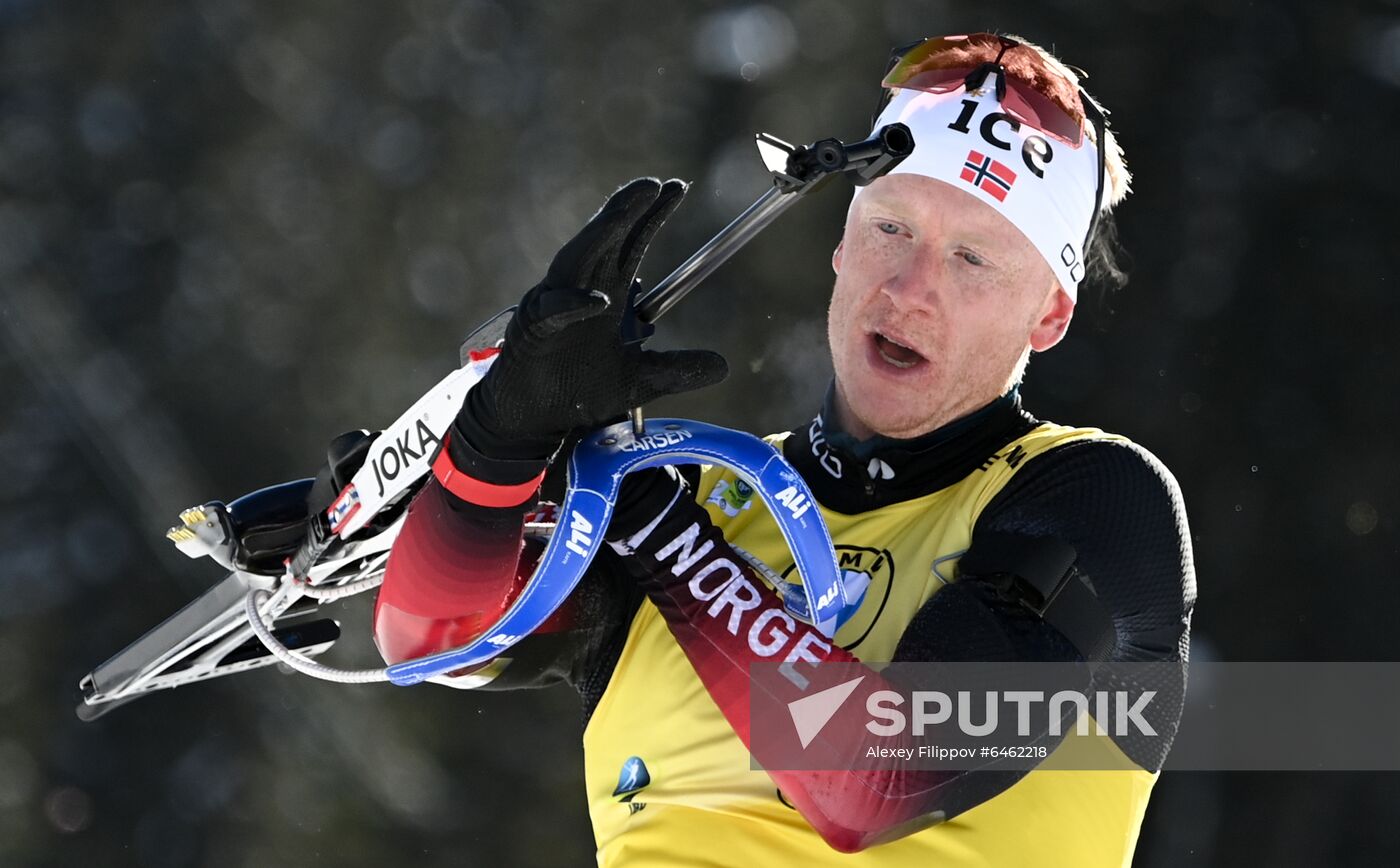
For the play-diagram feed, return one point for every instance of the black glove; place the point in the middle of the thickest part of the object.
(564, 364)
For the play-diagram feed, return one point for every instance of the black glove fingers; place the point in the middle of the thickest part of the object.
(565, 365)
(674, 372)
(609, 273)
(590, 257)
(635, 246)
(554, 310)
(578, 257)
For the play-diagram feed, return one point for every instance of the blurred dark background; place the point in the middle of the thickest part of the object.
(230, 230)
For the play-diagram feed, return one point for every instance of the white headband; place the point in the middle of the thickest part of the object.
(1043, 186)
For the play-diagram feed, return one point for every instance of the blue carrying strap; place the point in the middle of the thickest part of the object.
(596, 469)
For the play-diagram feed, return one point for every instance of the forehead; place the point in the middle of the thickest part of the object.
(922, 196)
(937, 205)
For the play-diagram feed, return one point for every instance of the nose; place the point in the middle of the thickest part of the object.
(914, 284)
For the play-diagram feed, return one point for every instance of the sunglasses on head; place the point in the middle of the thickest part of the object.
(939, 65)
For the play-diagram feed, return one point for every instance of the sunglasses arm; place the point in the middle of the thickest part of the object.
(797, 171)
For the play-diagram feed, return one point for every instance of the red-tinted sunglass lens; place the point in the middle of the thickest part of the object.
(941, 65)
(929, 56)
(1034, 109)
(931, 80)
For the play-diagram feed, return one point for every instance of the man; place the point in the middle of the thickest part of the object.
(950, 272)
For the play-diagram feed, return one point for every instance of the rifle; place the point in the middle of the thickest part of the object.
(251, 619)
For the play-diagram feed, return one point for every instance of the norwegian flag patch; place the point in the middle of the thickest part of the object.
(344, 507)
(994, 178)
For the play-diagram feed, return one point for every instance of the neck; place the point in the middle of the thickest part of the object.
(851, 473)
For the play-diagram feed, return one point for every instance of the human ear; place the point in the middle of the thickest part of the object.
(836, 256)
(1054, 320)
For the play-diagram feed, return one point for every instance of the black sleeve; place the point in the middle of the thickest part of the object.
(1122, 512)
(583, 651)
(599, 613)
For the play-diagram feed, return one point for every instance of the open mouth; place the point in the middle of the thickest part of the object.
(895, 353)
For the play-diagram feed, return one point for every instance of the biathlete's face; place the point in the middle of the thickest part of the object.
(938, 300)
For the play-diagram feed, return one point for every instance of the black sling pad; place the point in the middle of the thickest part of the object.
(1039, 572)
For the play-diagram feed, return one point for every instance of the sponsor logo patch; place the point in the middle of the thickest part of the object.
(631, 780)
(731, 498)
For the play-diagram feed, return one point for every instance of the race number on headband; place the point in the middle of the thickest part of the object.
(1043, 186)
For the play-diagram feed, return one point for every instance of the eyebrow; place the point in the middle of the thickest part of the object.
(969, 232)
(874, 196)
